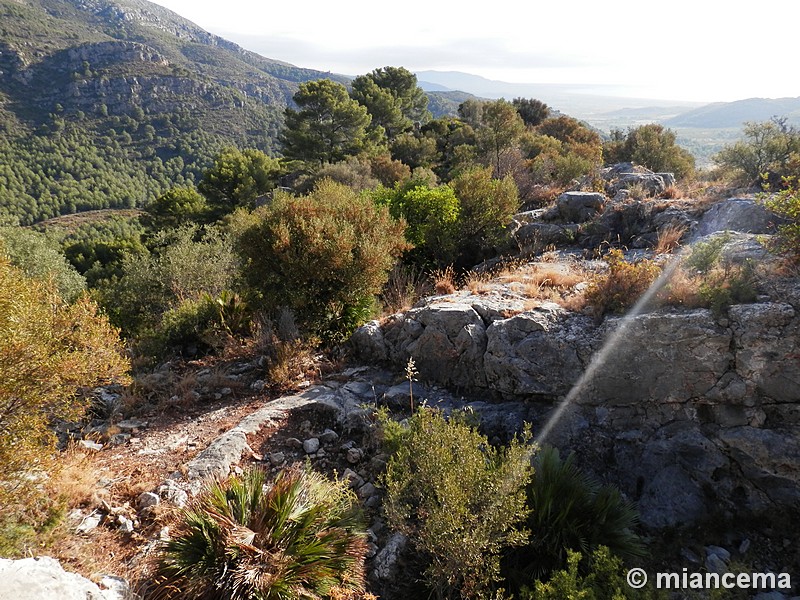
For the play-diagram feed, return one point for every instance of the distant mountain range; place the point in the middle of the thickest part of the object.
(600, 105)
(733, 114)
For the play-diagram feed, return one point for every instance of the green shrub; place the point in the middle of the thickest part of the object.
(731, 284)
(604, 581)
(184, 266)
(40, 257)
(487, 206)
(706, 255)
(458, 499)
(651, 146)
(298, 538)
(570, 511)
(430, 214)
(786, 203)
(768, 147)
(324, 256)
(176, 207)
(623, 284)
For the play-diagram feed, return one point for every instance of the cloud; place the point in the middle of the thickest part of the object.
(457, 54)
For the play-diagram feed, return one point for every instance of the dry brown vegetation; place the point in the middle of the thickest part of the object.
(669, 239)
(444, 280)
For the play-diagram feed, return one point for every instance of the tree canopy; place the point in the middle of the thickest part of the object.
(393, 98)
(329, 125)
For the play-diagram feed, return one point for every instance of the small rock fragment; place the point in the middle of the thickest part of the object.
(311, 445)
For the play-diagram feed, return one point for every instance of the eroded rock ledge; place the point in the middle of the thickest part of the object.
(689, 413)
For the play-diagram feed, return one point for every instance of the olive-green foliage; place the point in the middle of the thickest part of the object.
(184, 265)
(570, 511)
(108, 163)
(324, 255)
(499, 132)
(48, 349)
(415, 150)
(721, 283)
(300, 537)
(354, 172)
(532, 111)
(768, 147)
(486, 208)
(786, 203)
(97, 249)
(236, 178)
(176, 207)
(329, 125)
(39, 256)
(431, 215)
(605, 580)
(562, 149)
(393, 99)
(706, 255)
(623, 284)
(651, 146)
(459, 500)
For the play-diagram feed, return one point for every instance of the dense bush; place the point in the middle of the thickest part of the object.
(771, 147)
(605, 580)
(652, 146)
(324, 255)
(623, 284)
(459, 500)
(183, 266)
(40, 257)
(48, 349)
(176, 207)
(237, 178)
(487, 206)
(786, 203)
(431, 215)
(299, 537)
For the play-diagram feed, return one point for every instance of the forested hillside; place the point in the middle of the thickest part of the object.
(107, 104)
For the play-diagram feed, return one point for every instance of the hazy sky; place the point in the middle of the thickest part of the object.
(706, 50)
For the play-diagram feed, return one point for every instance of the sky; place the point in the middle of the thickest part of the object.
(696, 50)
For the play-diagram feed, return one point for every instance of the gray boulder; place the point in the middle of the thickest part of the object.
(654, 184)
(738, 214)
(665, 357)
(578, 207)
(527, 355)
(447, 342)
(766, 338)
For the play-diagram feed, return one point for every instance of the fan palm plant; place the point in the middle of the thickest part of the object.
(571, 511)
(244, 539)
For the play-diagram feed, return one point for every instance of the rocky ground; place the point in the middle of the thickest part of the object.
(695, 417)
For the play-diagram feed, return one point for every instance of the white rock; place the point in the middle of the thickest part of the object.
(90, 445)
(44, 578)
(89, 523)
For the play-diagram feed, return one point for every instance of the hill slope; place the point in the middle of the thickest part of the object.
(734, 114)
(106, 103)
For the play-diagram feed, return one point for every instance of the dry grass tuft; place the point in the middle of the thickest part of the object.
(672, 192)
(404, 287)
(669, 238)
(289, 358)
(681, 290)
(75, 480)
(444, 280)
(478, 283)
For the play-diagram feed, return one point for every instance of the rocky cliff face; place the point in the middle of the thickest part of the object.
(692, 414)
